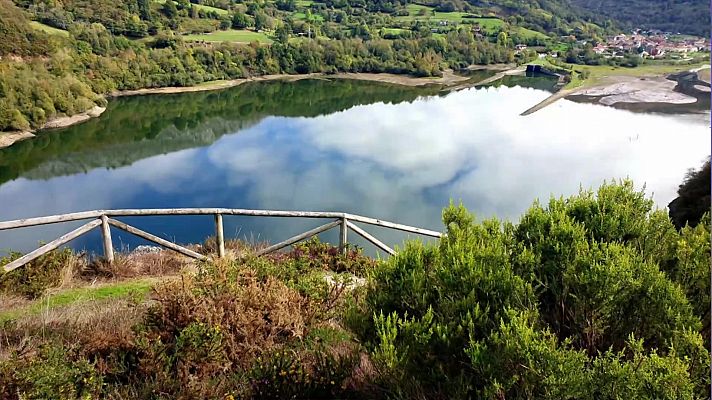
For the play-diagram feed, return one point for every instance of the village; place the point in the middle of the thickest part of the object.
(652, 44)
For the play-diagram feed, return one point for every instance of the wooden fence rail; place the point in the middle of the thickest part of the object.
(105, 219)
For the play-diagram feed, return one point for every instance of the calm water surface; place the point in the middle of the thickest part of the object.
(395, 153)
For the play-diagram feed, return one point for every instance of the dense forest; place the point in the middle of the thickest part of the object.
(681, 16)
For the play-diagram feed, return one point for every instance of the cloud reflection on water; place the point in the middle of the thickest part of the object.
(400, 162)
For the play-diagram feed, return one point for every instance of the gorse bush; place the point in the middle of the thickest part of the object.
(33, 279)
(594, 296)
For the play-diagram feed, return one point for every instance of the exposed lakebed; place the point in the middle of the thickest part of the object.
(392, 152)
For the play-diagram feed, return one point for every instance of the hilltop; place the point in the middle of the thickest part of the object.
(686, 16)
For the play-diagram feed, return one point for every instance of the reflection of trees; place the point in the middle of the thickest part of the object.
(139, 127)
(540, 82)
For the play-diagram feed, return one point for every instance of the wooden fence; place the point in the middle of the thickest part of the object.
(106, 218)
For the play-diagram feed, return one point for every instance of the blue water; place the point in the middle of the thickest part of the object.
(403, 161)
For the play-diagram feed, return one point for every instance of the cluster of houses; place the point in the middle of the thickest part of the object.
(650, 44)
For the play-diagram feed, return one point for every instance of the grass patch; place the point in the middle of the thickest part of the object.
(84, 294)
(418, 12)
(530, 34)
(304, 3)
(203, 7)
(597, 73)
(219, 11)
(48, 29)
(600, 72)
(394, 31)
(300, 16)
(232, 35)
(488, 25)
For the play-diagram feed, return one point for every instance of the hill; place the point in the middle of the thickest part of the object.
(684, 16)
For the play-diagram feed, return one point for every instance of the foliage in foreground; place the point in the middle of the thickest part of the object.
(595, 296)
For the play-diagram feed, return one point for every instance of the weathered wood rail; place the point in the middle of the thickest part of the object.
(106, 218)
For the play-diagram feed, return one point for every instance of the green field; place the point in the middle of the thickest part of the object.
(201, 7)
(488, 25)
(300, 16)
(209, 8)
(231, 35)
(394, 31)
(429, 14)
(304, 3)
(528, 33)
(48, 29)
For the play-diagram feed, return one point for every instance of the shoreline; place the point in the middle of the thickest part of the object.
(612, 92)
(629, 91)
(448, 79)
(9, 138)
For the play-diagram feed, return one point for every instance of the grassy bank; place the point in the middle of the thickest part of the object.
(585, 76)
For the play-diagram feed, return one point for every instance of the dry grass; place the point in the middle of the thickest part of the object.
(137, 264)
(85, 323)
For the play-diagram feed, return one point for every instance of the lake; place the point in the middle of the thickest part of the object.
(390, 152)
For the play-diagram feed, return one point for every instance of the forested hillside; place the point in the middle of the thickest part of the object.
(62, 58)
(683, 16)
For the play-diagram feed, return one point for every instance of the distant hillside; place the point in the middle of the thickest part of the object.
(684, 16)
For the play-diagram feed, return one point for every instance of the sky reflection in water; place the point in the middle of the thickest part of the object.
(400, 162)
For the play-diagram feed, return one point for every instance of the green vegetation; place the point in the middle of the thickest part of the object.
(115, 291)
(595, 296)
(231, 35)
(686, 16)
(693, 198)
(216, 10)
(65, 75)
(66, 56)
(136, 127)
(48, 29)
(589, 75)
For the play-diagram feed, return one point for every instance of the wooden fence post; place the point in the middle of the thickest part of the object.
(219, 237)
(343, 233)
(106, 235)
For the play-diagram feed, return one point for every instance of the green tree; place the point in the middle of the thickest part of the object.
(169, 9)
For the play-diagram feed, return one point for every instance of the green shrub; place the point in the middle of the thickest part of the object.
(594, 286)
(314, 255)
(34, 278)
(306, 375)
(594, 296)
(52, 374)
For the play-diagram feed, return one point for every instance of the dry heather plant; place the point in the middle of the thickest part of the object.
(250, 315)
(94, 327)
(136, 264)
